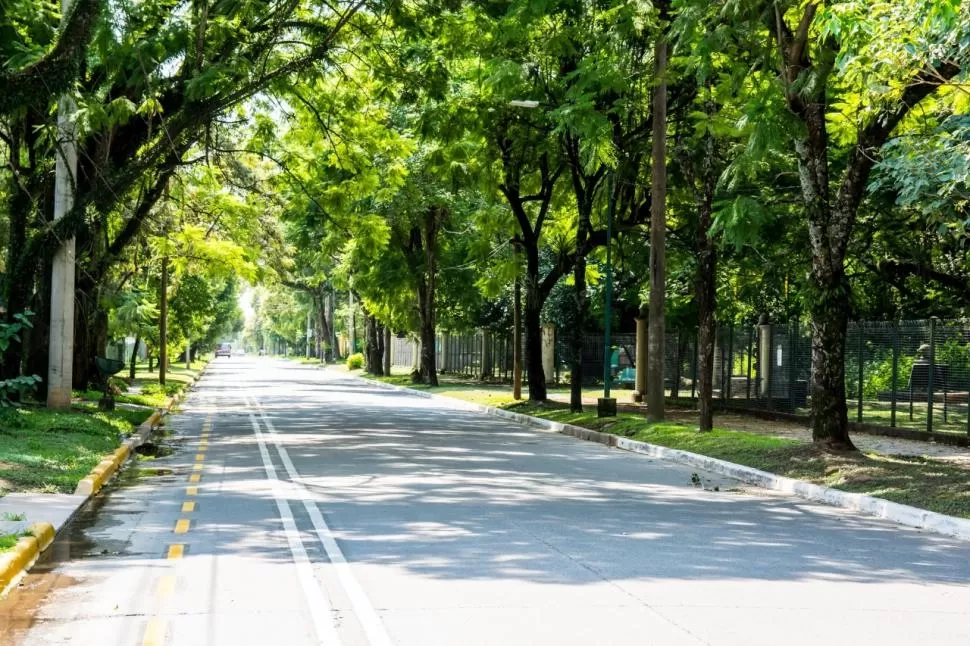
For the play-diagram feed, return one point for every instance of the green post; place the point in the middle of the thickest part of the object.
(608, 310)
(730, 359)
(607, 407)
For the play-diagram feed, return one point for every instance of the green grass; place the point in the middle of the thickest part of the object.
(921, 482)
(49, 451)
(8, 541)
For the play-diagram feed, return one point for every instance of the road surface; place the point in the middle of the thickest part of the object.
(304, 506)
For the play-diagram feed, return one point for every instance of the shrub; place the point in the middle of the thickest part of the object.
(355, 361)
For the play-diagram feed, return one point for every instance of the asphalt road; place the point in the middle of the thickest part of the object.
(304, 506)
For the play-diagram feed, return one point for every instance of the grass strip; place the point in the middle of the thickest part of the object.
(48, 451)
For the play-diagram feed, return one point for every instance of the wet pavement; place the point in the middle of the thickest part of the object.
(299, 506)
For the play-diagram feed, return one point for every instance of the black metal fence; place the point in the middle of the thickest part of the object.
(913, 374)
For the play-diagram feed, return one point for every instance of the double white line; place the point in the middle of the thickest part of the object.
(320, 607)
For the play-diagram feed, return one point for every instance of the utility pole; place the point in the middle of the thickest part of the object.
(163, 324)
(60, 366)
(658, 226)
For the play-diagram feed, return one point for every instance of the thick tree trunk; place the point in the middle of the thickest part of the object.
(830, 320)
(375, 358)
(658, 228)
(707, 322)
(534, 300)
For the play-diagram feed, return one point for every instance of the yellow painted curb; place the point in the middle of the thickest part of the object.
(93, 482)
(24, 553)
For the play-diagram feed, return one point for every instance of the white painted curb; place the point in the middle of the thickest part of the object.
(930, 521)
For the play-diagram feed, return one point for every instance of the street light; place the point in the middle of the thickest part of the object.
(606, 406)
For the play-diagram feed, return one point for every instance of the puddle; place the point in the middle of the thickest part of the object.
(153, 450)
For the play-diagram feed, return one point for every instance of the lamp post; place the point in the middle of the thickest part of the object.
(606, 405)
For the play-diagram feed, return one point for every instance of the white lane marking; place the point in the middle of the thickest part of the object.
(368, 617)
(321, 611)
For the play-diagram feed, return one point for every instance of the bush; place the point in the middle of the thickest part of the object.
(355, 361)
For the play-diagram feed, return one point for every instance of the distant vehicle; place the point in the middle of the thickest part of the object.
(224, 350)
(241, 353)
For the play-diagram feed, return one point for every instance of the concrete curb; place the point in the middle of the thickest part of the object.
(902, 514)
(15, 563)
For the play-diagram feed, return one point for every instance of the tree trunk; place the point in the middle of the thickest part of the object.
(830, 321)
(151, 360)
(707, 322)
(577, 334)
(658, 228)
(429, 370)
(387, 350)
(333, 349)
(375, 359)
(90, 333)
(534, 300)
(134, 358)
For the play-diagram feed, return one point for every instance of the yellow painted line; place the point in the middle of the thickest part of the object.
(176, 551)
(166, 586)
(182, 526)
(195, 477)
(199, 457)
(154, 633)
(191, 491)
(197, 467)
(203, 446)
(188, 507)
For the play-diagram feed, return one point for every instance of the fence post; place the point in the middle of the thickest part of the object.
(693, 368)
(747, 386)
(862, 350)
(929, 380)
(770, 371)
(892, 397)
(793, 331)
(723, 388)
(730, 359)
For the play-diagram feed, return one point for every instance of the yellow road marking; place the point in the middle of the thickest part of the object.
(166, 586)
(176, 551)
(199, 457)
(188, 507)
(154, 633)
(195, 477)
(196, 467)
(191, 491)
(182, 525)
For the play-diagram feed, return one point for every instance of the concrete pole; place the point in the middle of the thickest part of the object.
(163, 324)
(60, 366)
(640, 393)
